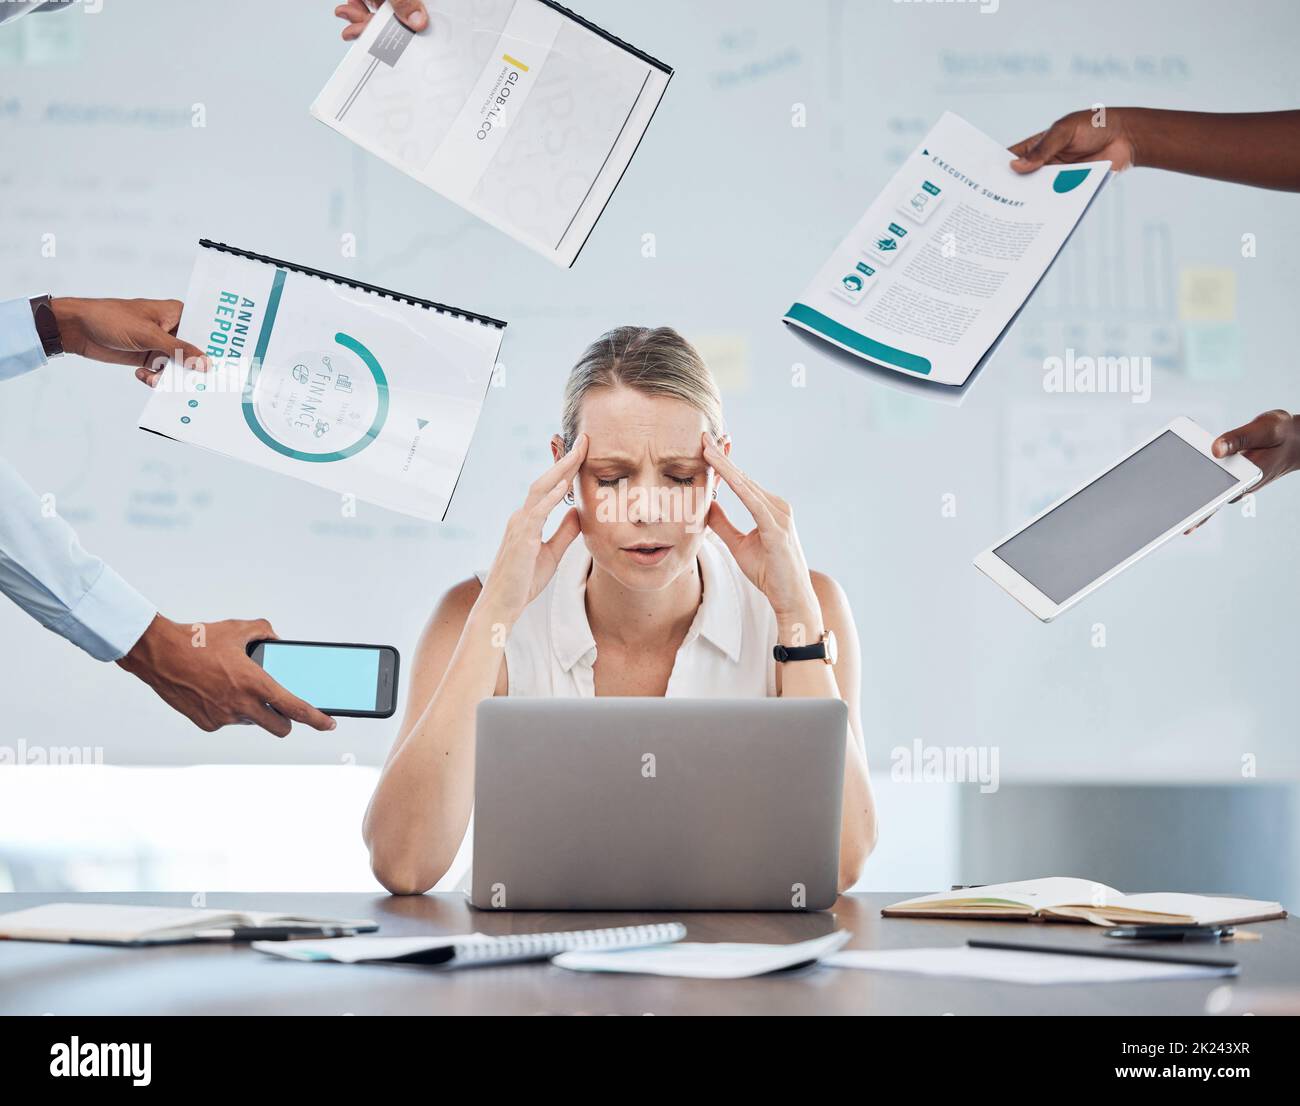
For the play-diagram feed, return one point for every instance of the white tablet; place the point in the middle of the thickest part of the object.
(1167, 484)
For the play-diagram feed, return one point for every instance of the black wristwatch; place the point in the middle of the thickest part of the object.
(822, 650)
(47, 326)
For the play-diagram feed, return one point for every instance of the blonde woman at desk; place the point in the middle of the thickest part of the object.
(646, 587)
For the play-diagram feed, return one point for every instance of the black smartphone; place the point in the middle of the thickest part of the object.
(1160, 932)
(338, 678)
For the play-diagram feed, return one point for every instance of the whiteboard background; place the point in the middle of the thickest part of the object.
(1198, 669)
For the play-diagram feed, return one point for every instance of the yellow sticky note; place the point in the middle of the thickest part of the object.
(1207, 294)
(727, 356)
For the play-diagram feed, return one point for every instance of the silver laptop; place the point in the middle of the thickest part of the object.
(658, 804)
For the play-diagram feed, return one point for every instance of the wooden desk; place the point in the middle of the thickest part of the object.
(226, 979)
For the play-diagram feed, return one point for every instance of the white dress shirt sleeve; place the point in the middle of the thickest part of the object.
(42, 565)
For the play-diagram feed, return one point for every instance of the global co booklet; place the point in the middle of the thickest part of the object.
(344, 385)
(520, 111)
(936, 271)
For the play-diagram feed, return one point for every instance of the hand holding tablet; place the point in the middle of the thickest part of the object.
(1171, 482)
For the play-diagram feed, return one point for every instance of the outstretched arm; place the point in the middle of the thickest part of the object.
(1257, 148)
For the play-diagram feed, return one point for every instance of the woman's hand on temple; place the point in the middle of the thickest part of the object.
(770, 554)
(524, 563)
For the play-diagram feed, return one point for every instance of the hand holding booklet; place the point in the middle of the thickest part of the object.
(1062, 899)
(936, 271)
(341, 384)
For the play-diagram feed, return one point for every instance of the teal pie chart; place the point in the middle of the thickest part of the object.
(318, 405)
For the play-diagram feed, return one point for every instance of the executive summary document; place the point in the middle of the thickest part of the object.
(936, 271)
(353, 388)
(520, 111)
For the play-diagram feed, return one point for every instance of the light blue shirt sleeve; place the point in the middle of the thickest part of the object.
(46, 572)
(20, 345)
(42, 565)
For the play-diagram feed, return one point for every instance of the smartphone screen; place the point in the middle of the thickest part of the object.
(350, 680)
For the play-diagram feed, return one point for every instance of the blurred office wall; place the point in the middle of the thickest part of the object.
(1180, 672)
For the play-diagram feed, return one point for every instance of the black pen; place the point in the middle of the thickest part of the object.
(1105, 954)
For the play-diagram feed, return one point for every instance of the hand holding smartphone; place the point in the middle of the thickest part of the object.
(337, 678)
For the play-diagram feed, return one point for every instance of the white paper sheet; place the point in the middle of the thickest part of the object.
(696, 960)
(1008, 966)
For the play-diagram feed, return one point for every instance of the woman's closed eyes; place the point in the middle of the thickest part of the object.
(685, 479)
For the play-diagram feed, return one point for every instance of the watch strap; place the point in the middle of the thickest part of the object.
(47, 326)
(814, 652)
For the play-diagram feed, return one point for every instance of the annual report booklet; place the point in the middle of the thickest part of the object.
(520, 111)
(936, 271)
(354, 388)
(1062, 899)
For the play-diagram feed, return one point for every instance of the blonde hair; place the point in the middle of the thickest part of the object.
(657, 362)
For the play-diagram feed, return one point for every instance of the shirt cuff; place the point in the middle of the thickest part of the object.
(109, 619)
(21, 349)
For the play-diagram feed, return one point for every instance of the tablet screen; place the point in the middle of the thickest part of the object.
(1112, 518)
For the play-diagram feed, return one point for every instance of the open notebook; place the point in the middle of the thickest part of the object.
(520, 111)
(113, 924)
(1061, 899)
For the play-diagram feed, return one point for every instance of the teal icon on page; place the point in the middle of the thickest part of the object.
(1067, 180)
(319, 406)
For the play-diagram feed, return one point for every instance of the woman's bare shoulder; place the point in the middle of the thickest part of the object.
(828, 590)
(456, 603)
(442, 633)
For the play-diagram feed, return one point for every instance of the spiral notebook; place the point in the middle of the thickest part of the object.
(473, 949)
(520, 111)
(369, 393)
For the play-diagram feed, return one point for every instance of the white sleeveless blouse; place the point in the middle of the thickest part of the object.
(726, 654)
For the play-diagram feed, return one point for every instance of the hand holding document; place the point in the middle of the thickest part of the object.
(520, 111)
(936, 271)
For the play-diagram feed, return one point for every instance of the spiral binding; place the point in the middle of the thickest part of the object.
(361, 286)
(608, 37)
(537, 946)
